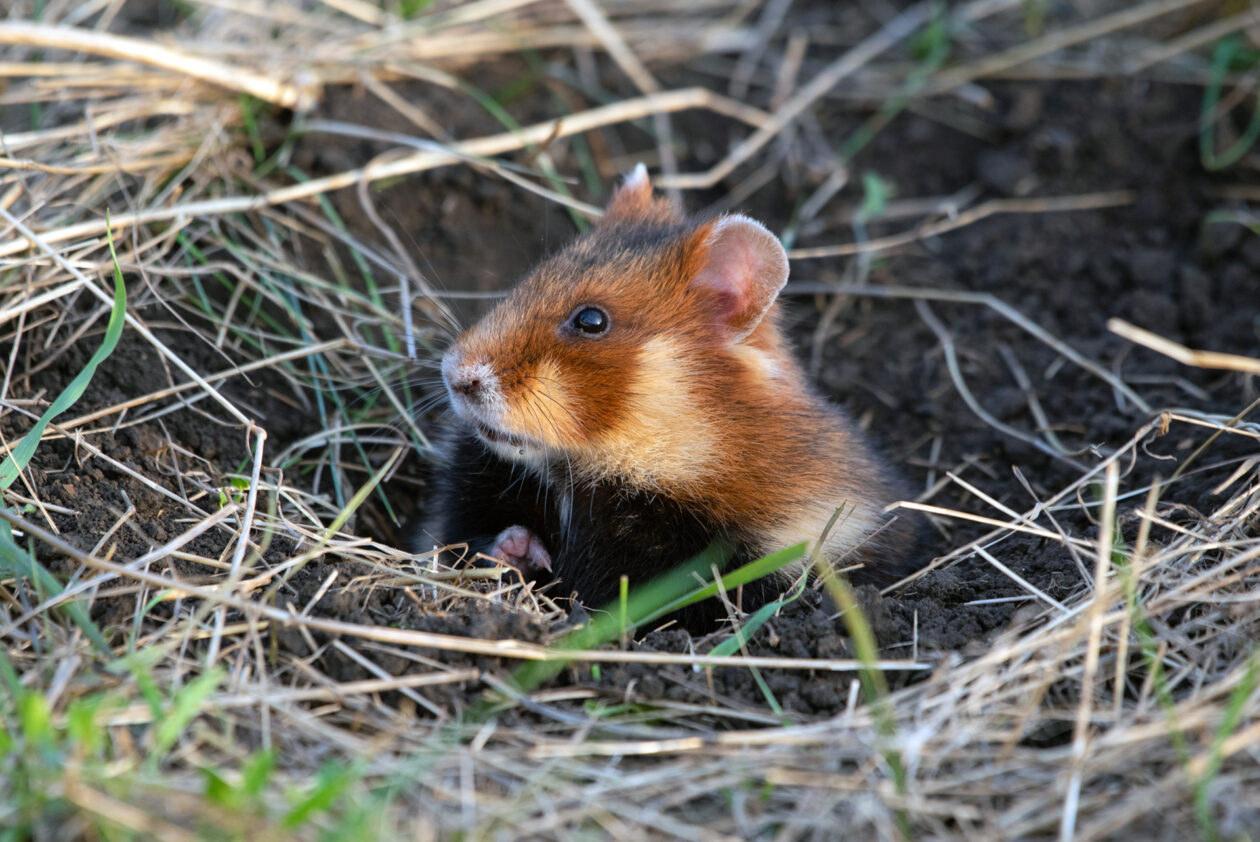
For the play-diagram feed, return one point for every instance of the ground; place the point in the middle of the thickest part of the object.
(1103, 209)
(1155, 262)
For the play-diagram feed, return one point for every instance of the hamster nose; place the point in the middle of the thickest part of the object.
(467, 381)
(470, 380)
(466, 384)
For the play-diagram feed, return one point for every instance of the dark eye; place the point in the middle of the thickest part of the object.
(591, 321)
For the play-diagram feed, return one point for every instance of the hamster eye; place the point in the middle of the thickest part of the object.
(591, 321)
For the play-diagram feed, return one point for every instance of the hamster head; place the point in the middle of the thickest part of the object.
(616, 354)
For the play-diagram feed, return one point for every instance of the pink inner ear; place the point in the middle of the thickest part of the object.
(744, 268)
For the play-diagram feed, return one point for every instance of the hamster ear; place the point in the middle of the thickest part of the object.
(742, 268)
(633, 200)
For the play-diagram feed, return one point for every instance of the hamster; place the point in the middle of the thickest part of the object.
(634, 398)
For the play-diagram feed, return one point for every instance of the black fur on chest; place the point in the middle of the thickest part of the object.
(595, 533)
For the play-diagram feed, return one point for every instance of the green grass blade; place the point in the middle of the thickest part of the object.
(745, 632)
(186, 705)
(663, 595)
(874, 685)
(1222, 58)
(21, 455)
(20, 563)
(1229, 724)
(9, 680)
(750, 572)
(330, 783)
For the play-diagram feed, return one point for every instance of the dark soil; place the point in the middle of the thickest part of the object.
(1156, 262)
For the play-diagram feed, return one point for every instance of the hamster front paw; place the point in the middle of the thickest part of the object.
(522, 549)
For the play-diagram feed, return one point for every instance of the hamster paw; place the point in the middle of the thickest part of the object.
(521, 549)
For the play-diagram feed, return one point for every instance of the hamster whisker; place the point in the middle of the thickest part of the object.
(429, 384)
(425, 405)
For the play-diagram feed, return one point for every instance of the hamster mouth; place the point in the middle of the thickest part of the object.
(496, 437)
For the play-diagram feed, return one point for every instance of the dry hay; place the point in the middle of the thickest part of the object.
(1135, 695)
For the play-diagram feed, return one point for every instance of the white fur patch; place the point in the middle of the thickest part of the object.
(667, 442)
(491, 405)
(761, 364)
(858, 518)
(636, 176)
(530, 455)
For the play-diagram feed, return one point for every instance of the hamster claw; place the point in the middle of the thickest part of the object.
(522, 549)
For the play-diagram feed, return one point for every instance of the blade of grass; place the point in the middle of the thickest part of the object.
(663, 595)
(331, 782)
(20, 563)
(20, 456)
(874, 687)
(185, 705)
(641, 603)
(1233, 716)
(745, 632)
(750, 572)
(1222, 56)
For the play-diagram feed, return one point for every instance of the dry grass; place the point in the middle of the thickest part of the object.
(1150, 665)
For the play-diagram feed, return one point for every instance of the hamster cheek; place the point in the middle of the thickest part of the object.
(544, 408)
